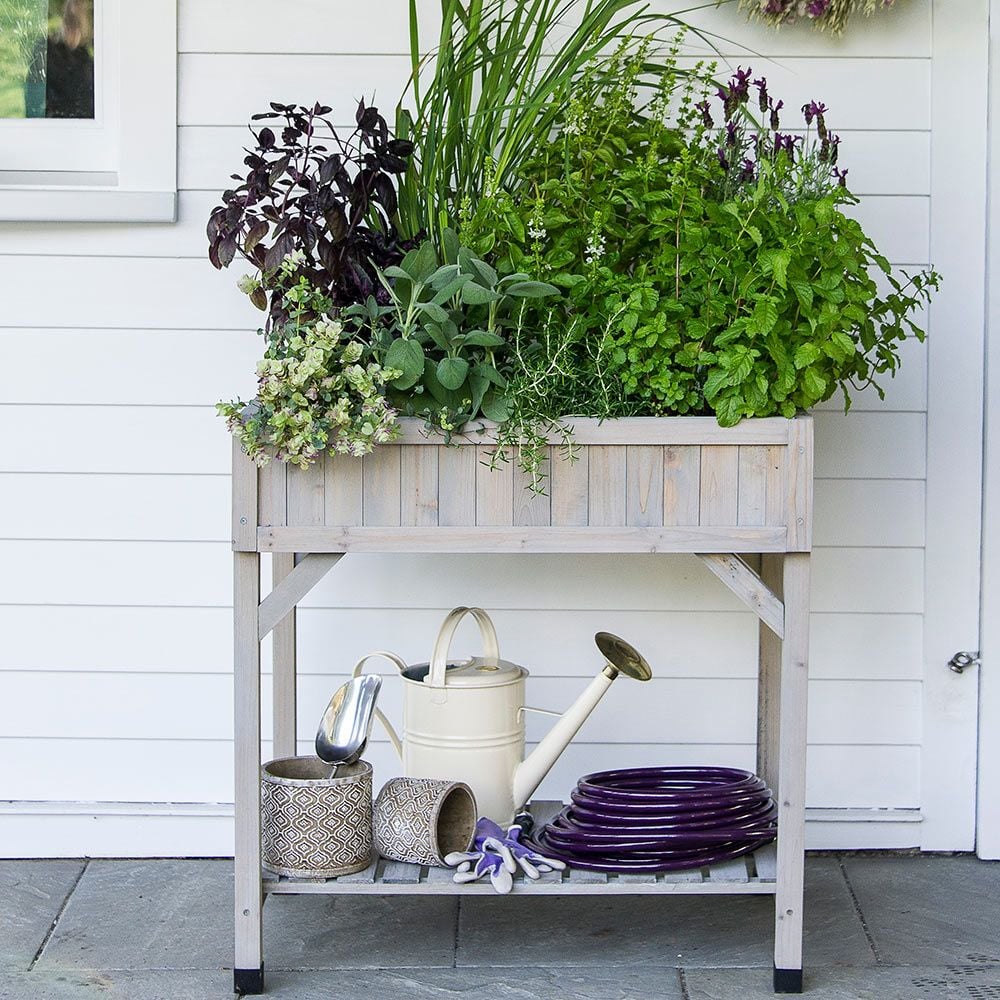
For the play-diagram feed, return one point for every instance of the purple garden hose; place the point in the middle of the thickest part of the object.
(655, 819)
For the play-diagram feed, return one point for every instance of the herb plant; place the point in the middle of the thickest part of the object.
(500, 78)
(709, 266)
(318, 388)
(325, 202)
(444, 332)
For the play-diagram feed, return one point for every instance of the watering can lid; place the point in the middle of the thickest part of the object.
(473, 672)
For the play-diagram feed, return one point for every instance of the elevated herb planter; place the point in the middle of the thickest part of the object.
(667, 485)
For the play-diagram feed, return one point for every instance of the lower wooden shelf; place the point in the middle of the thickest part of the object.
(753, 874)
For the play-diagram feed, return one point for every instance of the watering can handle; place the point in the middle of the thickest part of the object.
(439, 658)
(387, 725)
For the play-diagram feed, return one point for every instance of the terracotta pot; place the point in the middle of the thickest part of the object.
(313, 825)
(420, 820)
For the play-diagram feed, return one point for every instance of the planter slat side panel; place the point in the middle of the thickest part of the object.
(456, 487)
(381, 473)
(681, 485)
(719, 490)
(481, 538)
(344, 502)
(568, 486)
(607, 486)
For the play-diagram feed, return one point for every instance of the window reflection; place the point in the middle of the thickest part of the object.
(46, 58)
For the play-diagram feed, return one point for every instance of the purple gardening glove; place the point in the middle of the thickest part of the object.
(499, 852)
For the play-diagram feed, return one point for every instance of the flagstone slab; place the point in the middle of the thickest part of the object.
(31, 895)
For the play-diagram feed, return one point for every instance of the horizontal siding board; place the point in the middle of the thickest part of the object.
(876, 513)
(195, 706)
(198, 573)
(863, 94)
(870, 445)
(382, 26)
(899, 225)
(551, 643)
(201, 770)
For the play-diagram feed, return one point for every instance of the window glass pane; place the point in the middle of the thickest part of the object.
(46, 58)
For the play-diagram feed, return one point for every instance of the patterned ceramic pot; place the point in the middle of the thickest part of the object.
(315, 826)
(420, 820)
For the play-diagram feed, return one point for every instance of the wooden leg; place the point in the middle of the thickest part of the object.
(768, 679)
(284, 680)
(248, 968)
(792, 775)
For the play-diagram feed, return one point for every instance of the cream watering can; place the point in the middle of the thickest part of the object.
(464, 720)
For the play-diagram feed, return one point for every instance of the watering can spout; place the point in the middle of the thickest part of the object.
(622, 659)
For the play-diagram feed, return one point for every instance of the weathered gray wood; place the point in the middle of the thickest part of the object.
(364, 877)
(799, 480)
(400, 873)
(687, 875)
(578, 876)
(246, 751)
(734, 870)
(272, 501)
(381, 474)
(775, 509)
(769, 680)
(295, 585)
(494, 490)
(638, 878)
(752, 493)
(244, 486)
(748, 587)
(719, 482)
(418, 486)
(516, 539)
(456, 486)
(283, 669)
(625, 431)
(607, 486)
(568, 484)
(681, 485)
(644, 486)
(306, 489)
(766, 862)
(344, 490)
(532, 508)
(792, 763)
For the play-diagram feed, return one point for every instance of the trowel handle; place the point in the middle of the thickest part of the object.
(439, 658)
(394, 739)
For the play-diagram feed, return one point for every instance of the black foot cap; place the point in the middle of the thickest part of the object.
(787, 980)
(248, 981)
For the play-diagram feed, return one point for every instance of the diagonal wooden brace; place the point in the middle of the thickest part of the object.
(749, 588)
(293, 588)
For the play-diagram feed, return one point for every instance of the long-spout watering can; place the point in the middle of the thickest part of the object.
(464, 720)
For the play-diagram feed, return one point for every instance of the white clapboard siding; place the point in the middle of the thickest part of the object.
(138, 770)
(128, 367)
(552, 643)
(863, 445)
(680, 710)
(195, 508)
(378, 27)
(897, 223)
(198, 573)
(120, 600)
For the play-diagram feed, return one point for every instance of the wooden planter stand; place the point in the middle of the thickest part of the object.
(672, 484)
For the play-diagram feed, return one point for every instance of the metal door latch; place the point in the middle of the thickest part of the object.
(963, 659)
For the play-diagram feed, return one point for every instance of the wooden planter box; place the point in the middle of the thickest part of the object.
(671, 484)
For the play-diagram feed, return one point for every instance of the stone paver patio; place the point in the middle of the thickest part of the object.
(877, 928)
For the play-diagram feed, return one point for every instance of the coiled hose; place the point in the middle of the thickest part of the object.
(656, 819)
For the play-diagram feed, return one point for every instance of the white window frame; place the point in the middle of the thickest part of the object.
(122, 165)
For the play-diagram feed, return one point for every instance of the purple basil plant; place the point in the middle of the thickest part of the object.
(322, 204)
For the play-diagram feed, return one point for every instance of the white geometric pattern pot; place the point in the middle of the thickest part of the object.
(420, 820)
(315, 826)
